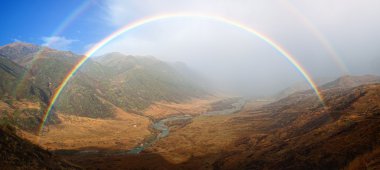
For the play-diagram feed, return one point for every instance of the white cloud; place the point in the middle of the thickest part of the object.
(16, 40)
(58, 42)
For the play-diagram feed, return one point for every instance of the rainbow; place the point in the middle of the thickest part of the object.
(148, 20)
(319, 35)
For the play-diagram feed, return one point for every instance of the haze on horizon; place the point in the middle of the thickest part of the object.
(236, 61)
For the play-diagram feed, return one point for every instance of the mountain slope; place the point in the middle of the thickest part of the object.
(11, 74)
(44, 69)
(22, 102)
(80, 95)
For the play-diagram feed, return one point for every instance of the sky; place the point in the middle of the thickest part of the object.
(329, 38)
(64, 25)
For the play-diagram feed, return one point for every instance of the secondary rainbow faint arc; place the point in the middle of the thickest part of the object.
(319, 35)
(57, 32)
(147, 20)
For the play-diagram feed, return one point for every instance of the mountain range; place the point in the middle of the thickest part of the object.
(31, 73)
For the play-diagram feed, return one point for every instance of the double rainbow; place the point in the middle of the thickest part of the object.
(292, 60)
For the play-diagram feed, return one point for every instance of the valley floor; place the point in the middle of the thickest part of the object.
(286, 134)
(193, 146)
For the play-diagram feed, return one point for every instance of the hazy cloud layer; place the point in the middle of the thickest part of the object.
(240, 62)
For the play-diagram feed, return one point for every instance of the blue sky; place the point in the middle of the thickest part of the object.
(37, 21)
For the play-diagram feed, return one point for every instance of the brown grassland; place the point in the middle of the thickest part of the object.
(123, 132)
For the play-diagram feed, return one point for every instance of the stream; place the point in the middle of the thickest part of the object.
(163, 132)
(164, 129)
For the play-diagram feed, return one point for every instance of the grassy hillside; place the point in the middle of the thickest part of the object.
(26, 90)
(80, 96)
(12, 86)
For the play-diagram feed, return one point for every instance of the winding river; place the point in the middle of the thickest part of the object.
(164, 130)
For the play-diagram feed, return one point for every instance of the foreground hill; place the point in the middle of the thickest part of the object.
(17, 153)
